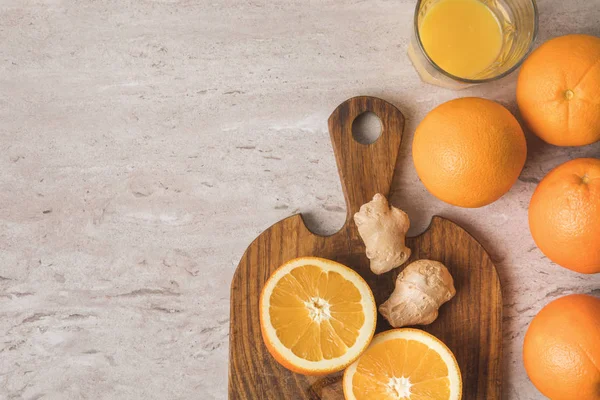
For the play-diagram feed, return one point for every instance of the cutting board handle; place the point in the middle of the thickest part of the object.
(365, 169)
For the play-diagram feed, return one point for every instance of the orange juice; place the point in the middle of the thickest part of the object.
(463, 37)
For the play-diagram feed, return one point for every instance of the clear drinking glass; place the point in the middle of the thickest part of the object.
(519, 22)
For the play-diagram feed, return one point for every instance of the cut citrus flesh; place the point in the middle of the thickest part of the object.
(404, 364)
(316, 315)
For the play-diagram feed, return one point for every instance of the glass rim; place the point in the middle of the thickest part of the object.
(476, 81)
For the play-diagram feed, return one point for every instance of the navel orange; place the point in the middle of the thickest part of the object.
(564, 215)
(561, 351)
(558, 90)
(407, 364)
(469, 151)
(316, 315)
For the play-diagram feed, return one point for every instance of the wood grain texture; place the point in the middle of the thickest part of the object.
(470, 324)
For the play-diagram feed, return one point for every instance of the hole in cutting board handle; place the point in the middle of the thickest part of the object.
(366, 128)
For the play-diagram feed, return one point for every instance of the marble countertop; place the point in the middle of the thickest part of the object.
(144, 144)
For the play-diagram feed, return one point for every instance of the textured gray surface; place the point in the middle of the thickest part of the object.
(144, 144)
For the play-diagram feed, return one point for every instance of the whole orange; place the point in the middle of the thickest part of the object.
(469, 151)
(559, 88)
(564, 215)
(561, 351)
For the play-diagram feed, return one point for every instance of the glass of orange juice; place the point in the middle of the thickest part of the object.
(458, 43)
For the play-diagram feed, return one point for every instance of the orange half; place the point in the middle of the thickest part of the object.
(316, 315)
(406, 364)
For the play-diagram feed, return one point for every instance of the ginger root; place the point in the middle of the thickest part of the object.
(421, 288)
(383, 230)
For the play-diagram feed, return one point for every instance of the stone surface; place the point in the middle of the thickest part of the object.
(144, 144)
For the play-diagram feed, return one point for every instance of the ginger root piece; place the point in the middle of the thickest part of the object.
(421, 288)
(383, 230)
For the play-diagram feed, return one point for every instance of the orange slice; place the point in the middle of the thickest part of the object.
(316, 315)
(404, 364)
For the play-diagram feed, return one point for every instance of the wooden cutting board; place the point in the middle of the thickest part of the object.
(470, 324)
